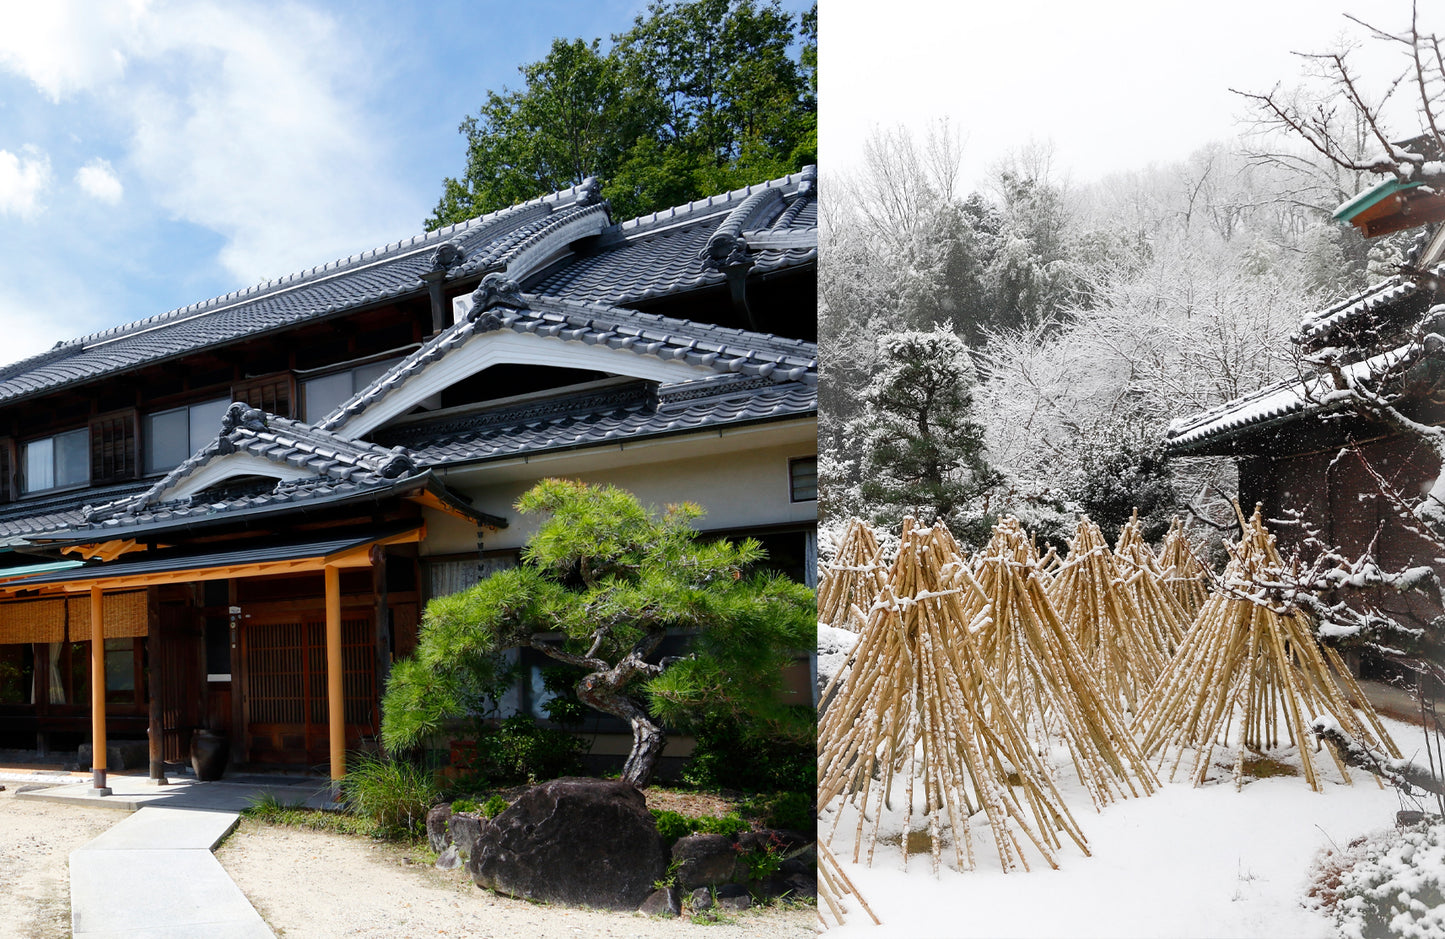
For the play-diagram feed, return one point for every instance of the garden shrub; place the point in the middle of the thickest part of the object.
(794, 811)
(732, 755)
(394, 794)
(495, 806)
(1391, 885)
(522, 751)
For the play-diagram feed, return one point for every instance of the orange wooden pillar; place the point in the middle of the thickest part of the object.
(335, 704)
(97, 694)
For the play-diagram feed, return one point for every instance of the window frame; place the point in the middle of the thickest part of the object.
(147, 437)
(793, 479)
(23, 463)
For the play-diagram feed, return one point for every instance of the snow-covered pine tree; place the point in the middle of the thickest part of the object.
(923, 452)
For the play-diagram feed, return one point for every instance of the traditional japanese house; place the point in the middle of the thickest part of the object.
(256, 495)
(1302, 447)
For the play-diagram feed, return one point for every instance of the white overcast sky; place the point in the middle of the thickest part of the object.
(1112, 85)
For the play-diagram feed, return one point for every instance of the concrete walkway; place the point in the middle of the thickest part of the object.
(153, 874)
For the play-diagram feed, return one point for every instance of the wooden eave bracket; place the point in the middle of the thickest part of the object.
(108, 550)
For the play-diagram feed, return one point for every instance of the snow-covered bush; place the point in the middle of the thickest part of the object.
(1392, 885)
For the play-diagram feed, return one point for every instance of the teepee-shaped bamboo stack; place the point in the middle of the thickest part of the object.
(851, 581)
(1249, 660)
(1185, 577)
(1048, 681)
(919, 709)
(1101, 612)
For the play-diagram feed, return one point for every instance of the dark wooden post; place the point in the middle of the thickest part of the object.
(383, 617)
(156, 732)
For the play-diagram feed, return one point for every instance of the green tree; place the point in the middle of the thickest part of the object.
(698, 97)
(925, 454)
(601, 584)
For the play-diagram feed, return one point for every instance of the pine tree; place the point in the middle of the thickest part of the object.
(602, 583)
(924, 453)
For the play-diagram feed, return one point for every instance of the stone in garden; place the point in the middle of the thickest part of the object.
(465, 830)
(779, 838)
(662, 902)
(586, 842)
(449, 860)
(703, 860)
(733, 897)
(436, 827)
(700, 900)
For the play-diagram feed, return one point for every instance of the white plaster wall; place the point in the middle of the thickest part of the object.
(740, 479)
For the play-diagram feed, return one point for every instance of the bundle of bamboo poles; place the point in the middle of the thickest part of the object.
(848, 584)
(1144, 577)
(1186, 578)
(920, 710)
(833, 886)
(1252, 661)
(1048, 683)
(1101, 612)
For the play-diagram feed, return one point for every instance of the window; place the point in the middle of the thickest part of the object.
(172, 436)
(320, 396)
(57, 462)
(803, 479)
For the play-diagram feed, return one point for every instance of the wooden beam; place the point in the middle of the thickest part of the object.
(97, 693)
(335, 703)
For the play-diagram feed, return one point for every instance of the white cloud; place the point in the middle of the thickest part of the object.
(246, 120)
(23, 177)
(99, 181)
(65, 46)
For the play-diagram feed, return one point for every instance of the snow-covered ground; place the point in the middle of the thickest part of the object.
(1207, 862)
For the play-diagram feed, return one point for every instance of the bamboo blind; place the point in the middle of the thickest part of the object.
(125, 615)
(32, 621)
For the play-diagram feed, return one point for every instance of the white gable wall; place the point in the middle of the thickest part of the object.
(505, 347)
(740, 477)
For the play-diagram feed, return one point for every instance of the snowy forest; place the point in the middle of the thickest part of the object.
(1072, 322)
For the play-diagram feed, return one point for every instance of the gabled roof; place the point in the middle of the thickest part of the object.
(498, 308)
(321, 469)
(633, 411)
(465, 249)
(1275, 405)
(771, 226)
(1335, 323)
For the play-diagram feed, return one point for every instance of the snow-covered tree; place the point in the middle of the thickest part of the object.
(924, 452)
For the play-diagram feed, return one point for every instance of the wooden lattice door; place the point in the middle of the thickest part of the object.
(284, 702)
(182, 679)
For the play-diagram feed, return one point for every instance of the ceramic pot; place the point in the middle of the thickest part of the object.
(209, 751)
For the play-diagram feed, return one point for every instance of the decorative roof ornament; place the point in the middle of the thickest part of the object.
(240, 414)
(496, 290)
(589, 191)
(448, 256)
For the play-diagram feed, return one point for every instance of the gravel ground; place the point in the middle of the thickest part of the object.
(316, 884)
(36, 839)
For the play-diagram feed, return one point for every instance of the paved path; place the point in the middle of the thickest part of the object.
(153, 873)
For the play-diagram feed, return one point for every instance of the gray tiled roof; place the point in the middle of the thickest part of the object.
(724, 350)
(338, 469)
(61, 510)
(667, 252)
(372, 277)
(632, 411)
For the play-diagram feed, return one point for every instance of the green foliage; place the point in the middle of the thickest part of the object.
(795, 811)
(465, 805)
(393, 794)
(698, 97)
(756, 757)
(608, 579)
(763, 862)
(495, 806)
(925, 453)
(522, 751)
(672, 825)
(271, 810)
(1121, 467)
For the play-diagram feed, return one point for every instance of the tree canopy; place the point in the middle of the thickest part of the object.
(601, 584)
(700, 96)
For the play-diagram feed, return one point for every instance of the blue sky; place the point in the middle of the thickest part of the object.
(155, 153)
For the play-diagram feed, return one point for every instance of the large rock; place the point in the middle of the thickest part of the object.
(465, 829)
(438, 834)
(705, 860)
(586, 842)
